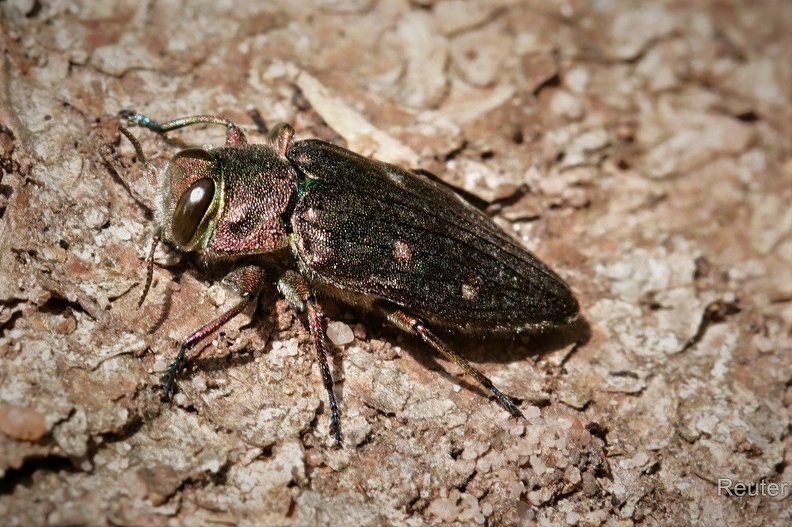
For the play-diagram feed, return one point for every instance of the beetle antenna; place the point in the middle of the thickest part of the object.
(235, 136)
(156, 239)
(149, 269)
(152, 174)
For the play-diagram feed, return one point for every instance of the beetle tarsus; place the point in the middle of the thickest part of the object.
(335, 427)
(507, 402)
(168, 380)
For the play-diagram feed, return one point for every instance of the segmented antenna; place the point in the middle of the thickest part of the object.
(155, 240)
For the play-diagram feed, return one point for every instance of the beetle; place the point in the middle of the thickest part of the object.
(332, 223)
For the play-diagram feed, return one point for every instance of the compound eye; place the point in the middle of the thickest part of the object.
(191, 209)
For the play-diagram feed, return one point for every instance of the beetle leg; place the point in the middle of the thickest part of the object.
(414, 326)
(248, 281)
(299, 295)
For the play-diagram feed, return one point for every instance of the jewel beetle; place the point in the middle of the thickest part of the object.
(321, 221)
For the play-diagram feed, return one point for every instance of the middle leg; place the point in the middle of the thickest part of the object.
(299, 295)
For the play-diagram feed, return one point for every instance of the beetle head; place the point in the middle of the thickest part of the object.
(188, 199)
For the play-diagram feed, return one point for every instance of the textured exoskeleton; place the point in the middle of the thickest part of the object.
(329, 222)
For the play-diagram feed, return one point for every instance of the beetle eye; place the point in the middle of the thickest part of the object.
(190, 210)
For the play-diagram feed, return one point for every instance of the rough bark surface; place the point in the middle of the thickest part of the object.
(643, 150)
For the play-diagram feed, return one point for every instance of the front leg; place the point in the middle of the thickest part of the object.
(247, 281)
(299, 295)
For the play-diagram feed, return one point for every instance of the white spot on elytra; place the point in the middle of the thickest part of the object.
(472, 287)
(401, 251)
(395, 177)
(469, 292)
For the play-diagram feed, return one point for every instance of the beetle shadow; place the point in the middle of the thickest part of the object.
(163, 310)
(478, 350)
(576, 334)
(177, 271)
(218, 361)
(225, 359)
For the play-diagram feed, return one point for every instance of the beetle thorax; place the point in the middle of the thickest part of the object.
(257, 187)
